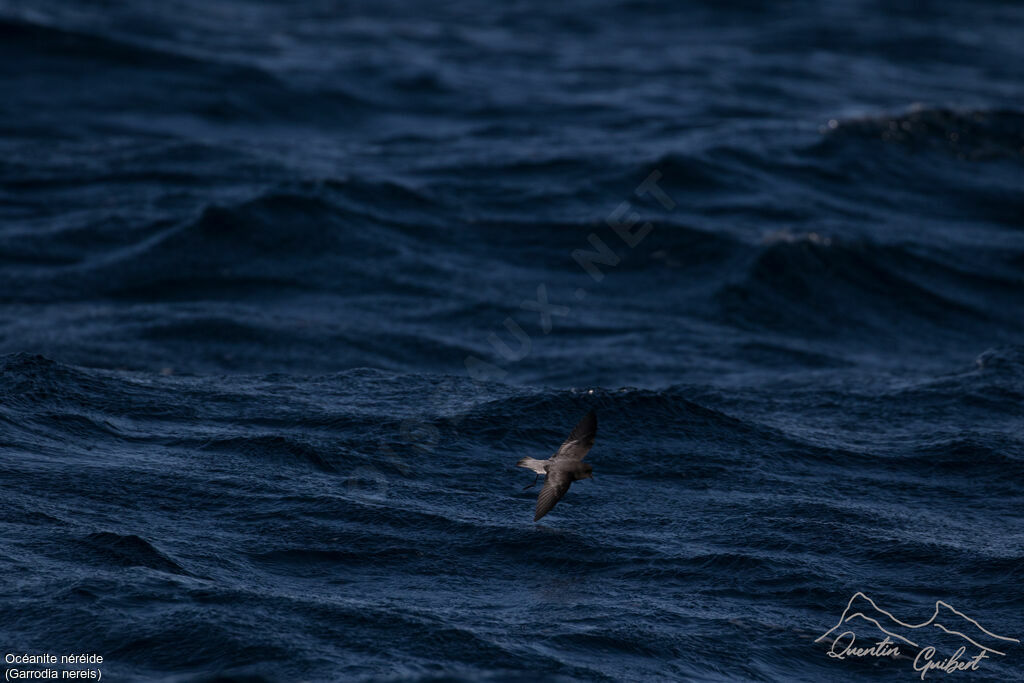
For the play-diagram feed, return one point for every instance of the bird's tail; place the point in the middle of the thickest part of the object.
(532, 464)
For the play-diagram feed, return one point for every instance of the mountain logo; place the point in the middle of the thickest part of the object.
(948, 641)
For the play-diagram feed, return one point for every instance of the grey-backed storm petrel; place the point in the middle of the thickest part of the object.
(564, 467)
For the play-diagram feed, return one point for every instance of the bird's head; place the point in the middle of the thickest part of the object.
(588, 472)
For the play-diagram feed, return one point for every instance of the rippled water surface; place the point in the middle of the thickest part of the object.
(287, 289)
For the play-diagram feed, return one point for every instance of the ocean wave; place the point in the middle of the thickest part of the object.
(277, 241)
(128, 550)
(974, 135)
(826, 286)
(274, 449)
(169, 83)
(1007, 360)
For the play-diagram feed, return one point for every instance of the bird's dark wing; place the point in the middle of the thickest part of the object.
(580, 441)
(555, 486)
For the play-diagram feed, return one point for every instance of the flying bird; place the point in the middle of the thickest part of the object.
(564, 467)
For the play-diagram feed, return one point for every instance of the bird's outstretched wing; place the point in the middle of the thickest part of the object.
(555, 486)
(580, 441)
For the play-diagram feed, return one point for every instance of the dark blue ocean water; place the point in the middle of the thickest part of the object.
(273, 335)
